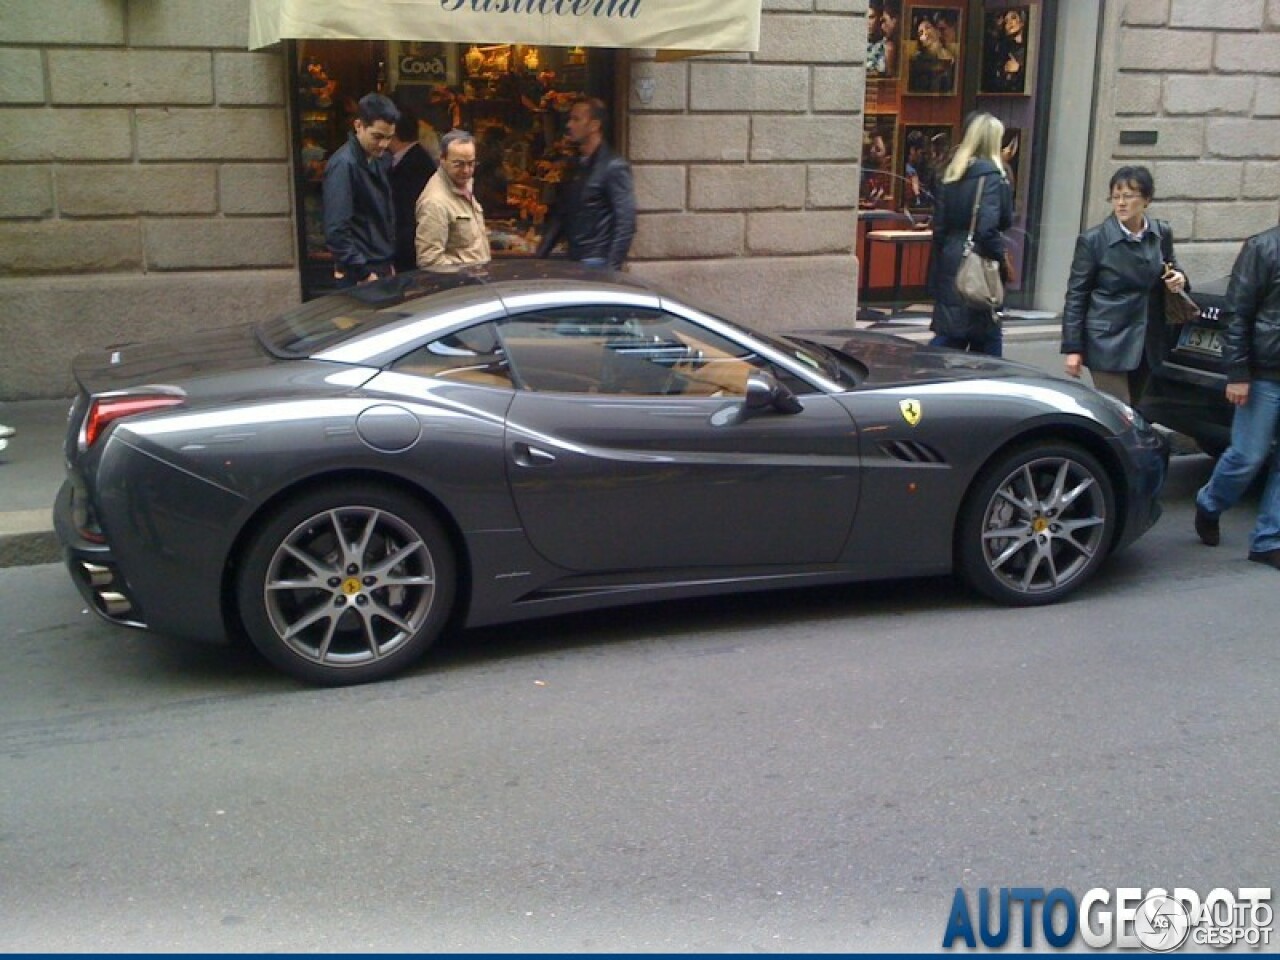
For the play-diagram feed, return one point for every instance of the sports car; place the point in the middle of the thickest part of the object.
(440, 450)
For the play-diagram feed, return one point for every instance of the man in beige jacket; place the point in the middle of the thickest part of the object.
(450, 222)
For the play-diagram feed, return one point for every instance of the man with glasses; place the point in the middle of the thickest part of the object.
(359, 217)
(450, 221)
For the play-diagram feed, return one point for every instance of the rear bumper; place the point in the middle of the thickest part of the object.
(93, 568)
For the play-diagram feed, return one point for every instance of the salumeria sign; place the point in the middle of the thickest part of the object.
(710, 25)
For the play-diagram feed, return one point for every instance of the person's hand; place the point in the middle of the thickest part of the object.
(1073, 364)
(1175, 280)
(1238, 393)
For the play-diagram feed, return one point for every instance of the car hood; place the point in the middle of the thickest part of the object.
(172, 361)
(892, 361)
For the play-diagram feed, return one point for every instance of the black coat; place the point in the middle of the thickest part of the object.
(1252, 348)
(359, 218)
(408, 178)
(953, 207)
(1113, 293)
(596, 210)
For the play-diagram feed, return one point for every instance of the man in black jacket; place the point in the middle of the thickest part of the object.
(1252, 353)
(359, 216)
(596, 212)
(411, 168)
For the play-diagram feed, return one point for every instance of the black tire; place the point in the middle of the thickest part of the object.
(347, 584)
(1036, 525)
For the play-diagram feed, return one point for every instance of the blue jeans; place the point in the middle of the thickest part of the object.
(992, 344)
(594, 262)
(1253, 431)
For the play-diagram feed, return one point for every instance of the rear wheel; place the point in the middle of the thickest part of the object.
(347, 585)
(1037, 524)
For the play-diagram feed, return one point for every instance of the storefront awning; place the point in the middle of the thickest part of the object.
(695, 25)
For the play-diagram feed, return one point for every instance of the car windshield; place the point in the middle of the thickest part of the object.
(834, 365)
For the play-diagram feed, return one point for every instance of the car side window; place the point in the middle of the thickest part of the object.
(625, 351)
(472, 355)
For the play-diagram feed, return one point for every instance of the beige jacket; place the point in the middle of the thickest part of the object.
(450, 225)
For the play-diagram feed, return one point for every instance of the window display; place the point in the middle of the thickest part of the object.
(514, 99)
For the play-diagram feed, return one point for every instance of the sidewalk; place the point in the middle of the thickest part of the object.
(30, 474)
(31, 469)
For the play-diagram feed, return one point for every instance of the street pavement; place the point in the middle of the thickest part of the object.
(31, 469)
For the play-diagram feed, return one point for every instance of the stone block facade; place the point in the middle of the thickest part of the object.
(146, 160)
(1201, 75)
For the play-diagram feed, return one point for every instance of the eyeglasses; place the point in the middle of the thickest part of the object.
(461, 164)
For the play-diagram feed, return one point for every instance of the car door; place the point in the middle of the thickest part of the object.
(625, 451)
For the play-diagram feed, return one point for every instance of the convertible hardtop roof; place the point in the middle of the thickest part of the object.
(416, 284)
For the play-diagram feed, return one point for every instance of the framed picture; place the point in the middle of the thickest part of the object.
(932, 51)
(1008, 59)
(877, 190)
(884, 39)
(922, 156)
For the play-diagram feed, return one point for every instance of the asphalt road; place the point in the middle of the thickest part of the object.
(809, 771)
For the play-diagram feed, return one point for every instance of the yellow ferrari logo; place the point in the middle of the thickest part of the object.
(351, 586)
(911, 411)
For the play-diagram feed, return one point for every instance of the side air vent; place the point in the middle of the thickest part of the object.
(909, 451)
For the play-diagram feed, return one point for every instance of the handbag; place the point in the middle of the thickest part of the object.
(1179, 308)
(978, 279)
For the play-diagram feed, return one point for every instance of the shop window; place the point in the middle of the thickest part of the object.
(513, 98)
(928, 65)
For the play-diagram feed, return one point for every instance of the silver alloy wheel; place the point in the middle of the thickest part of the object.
(349, 586)
(1045, 525)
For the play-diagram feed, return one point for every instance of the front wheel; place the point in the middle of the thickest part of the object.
(347, 584)
(1037, 524)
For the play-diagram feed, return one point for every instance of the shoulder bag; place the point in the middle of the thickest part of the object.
(978, 279)
(1179, 308)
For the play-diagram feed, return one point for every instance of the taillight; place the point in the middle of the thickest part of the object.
(103, 410)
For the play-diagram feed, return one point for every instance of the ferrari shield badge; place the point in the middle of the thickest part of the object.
(911, 411)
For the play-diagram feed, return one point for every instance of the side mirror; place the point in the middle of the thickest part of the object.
(764, 394)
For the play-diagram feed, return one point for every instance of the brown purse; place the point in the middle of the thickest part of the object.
(1179, 308)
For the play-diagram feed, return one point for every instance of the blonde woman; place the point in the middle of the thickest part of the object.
(975, 169)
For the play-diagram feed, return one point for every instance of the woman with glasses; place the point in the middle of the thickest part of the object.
(1115, 293)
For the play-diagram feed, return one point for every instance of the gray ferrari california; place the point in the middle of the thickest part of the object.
(343, 482)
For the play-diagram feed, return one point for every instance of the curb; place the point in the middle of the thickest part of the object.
(29, 549)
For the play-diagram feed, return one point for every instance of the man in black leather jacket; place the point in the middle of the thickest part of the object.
(596, 211)
(1252, 353)
(359, 213)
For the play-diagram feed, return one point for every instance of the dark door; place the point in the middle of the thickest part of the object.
(621, 456)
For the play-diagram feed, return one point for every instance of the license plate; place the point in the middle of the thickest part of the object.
(1201, 340)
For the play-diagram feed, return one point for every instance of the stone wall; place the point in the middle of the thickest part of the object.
(747, 167)
(1204, 76)
(146, 159)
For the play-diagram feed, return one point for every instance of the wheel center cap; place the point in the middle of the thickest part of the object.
(351, 586)
(1040, 525)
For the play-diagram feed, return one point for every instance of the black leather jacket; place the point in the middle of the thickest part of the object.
(359, 213)
(596, 210)
(1252, 348)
